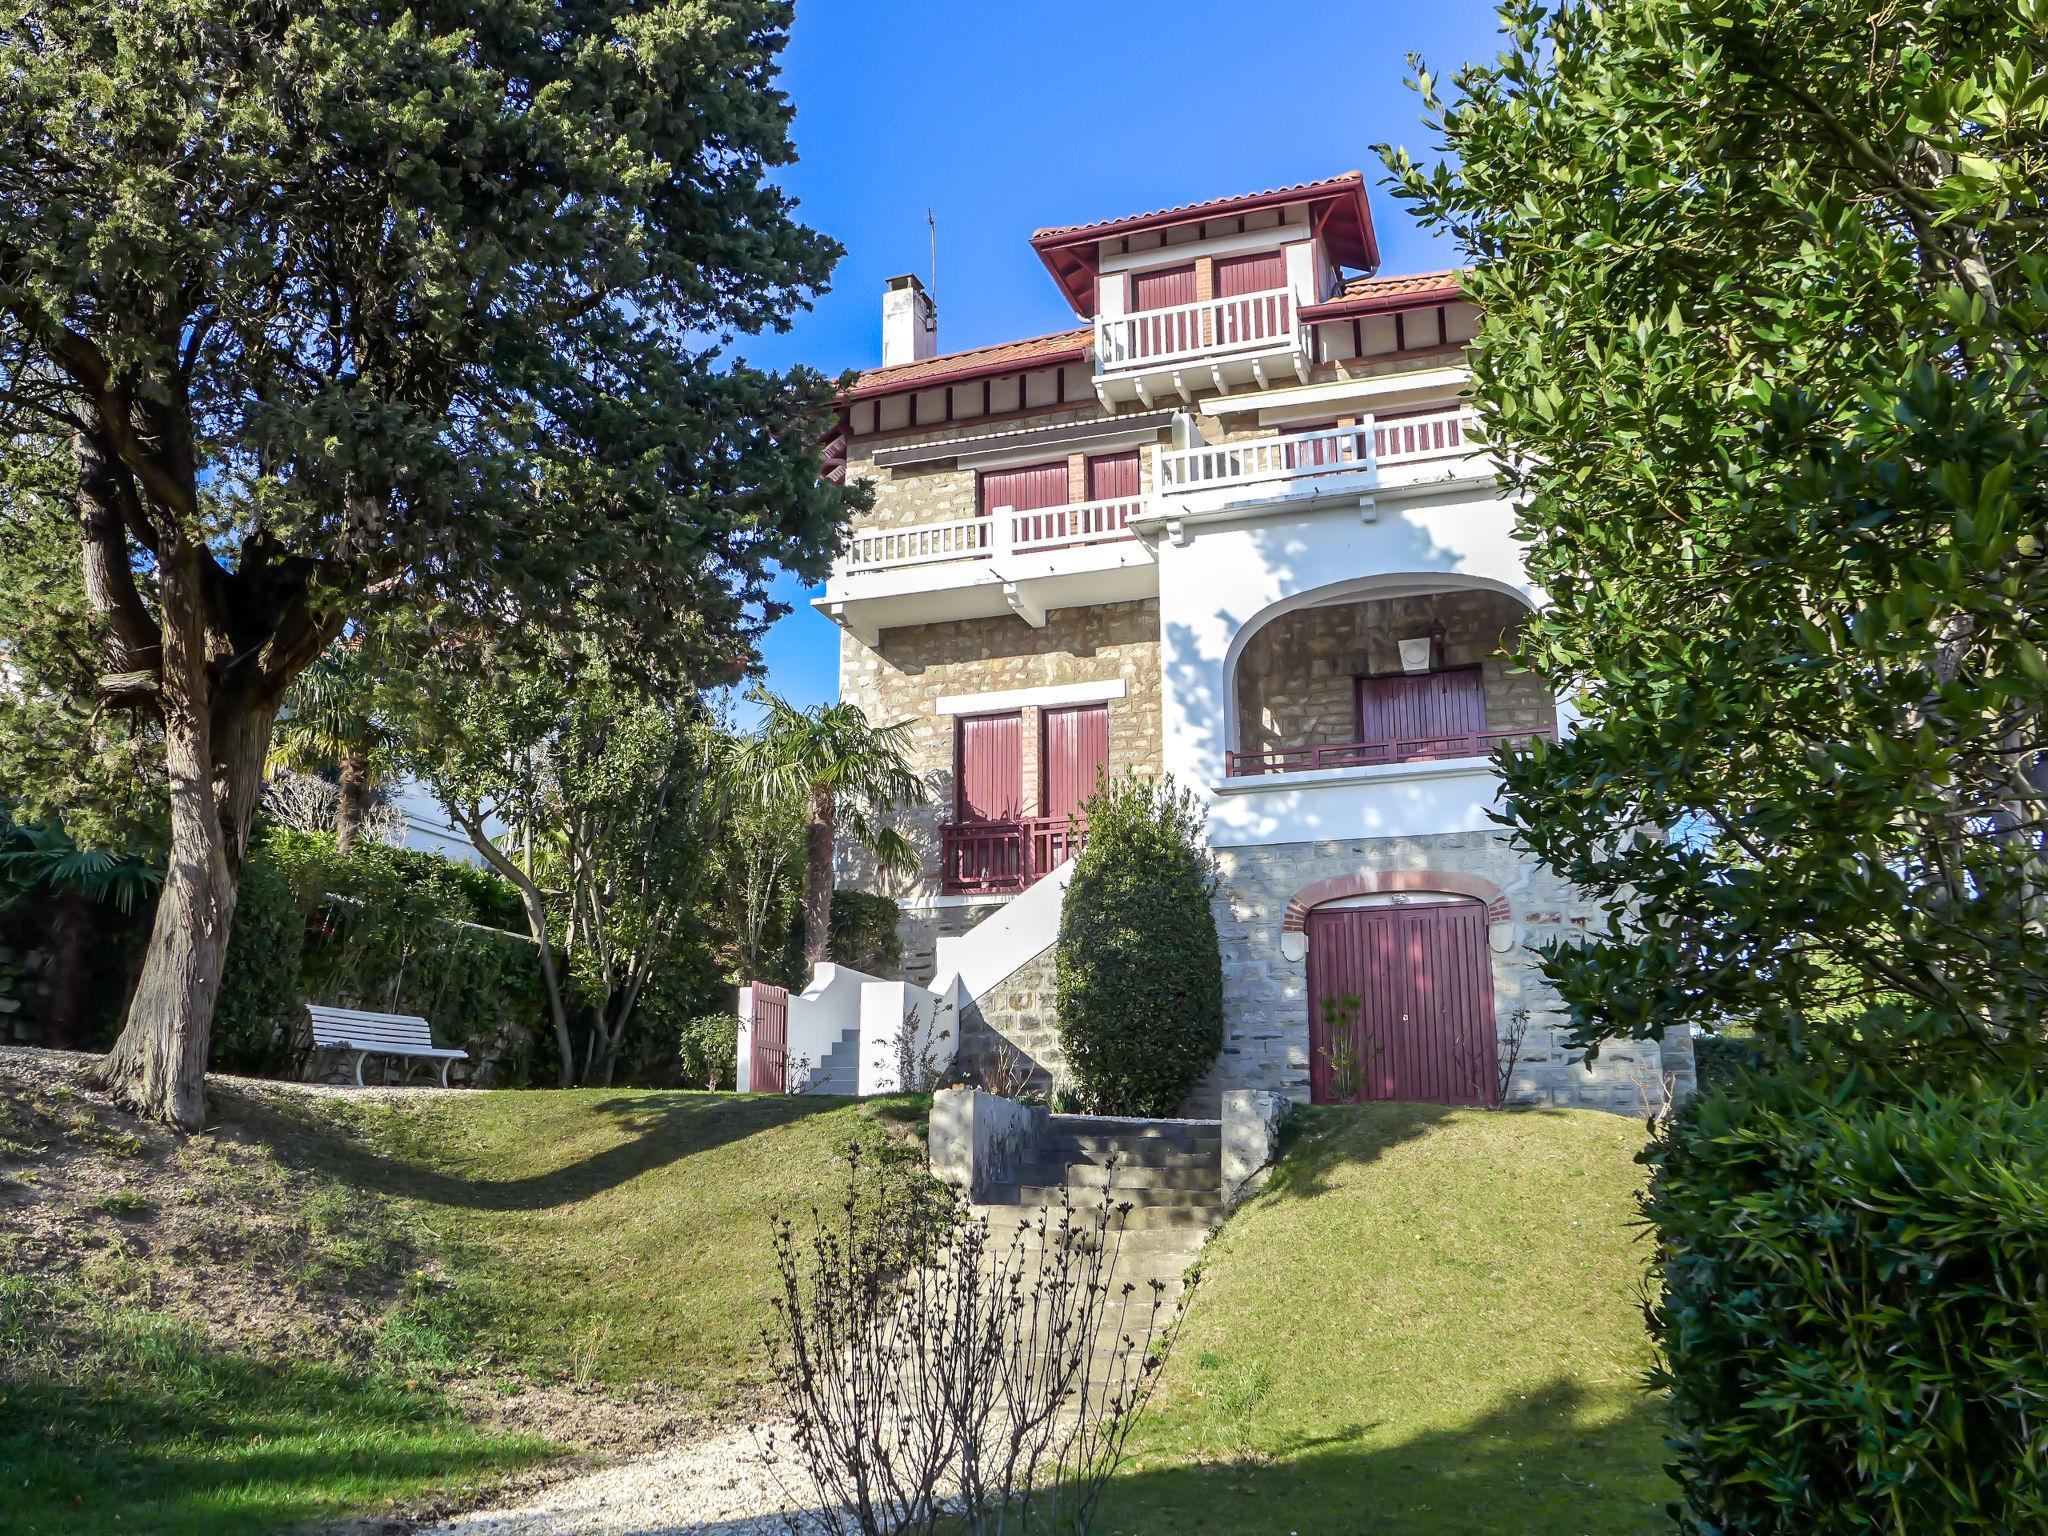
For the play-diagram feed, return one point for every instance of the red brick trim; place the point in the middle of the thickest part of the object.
(1371, 883)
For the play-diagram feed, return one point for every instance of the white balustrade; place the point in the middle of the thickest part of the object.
(1078, 522)
(962, 538)
(1293, 456)
(1006, 531)
(1245, 322)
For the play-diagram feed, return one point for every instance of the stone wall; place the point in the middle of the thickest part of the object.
(1265, 975)
(1297, 679)
(1022, 1016)
(903, 679)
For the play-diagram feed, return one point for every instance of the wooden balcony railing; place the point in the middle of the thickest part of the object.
(1360, 754)
(999, 857)
(1246, 322)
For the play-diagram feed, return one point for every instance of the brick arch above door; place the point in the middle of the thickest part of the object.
(1379, 882)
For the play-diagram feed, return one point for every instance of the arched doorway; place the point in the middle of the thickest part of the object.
(1400, 993)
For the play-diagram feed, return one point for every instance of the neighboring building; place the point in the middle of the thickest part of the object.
(1233, 528)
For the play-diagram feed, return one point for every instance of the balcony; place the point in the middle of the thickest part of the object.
(1363, 754)
(1247, 339)
(1024, 562)
(1001, 858)
(1328, 461)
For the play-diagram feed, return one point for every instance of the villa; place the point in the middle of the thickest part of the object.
(1235, 526)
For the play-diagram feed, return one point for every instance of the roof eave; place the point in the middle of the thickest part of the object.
(1059, 359)
(1381, 304)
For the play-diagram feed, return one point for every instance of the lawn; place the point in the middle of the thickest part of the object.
(1428, 1322)
(334, 1306)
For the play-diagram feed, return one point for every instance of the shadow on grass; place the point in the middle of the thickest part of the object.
(1319, 1140)
(1556, 1462)
(177, 1438)
(661, 1127)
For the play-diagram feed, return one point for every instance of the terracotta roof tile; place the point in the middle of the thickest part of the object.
(1207, 205)
(1364, 294)
(974, 360)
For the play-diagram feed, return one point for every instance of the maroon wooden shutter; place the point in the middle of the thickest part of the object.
(1435, 712)
(990, 767)
(1035, 485)
(1423, 1022)
(1075, 753)
(1113, 477)
(1259, 272)
(1161, 289)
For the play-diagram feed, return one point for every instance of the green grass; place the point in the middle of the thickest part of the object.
(1428, 1322)
(594, 1237)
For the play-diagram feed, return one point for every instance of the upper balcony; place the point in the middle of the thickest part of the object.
(1318, 462)
(1248, 339)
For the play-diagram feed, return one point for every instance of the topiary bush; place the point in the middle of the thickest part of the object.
(1853, 1326)
(1140, 974)
(258, 1010)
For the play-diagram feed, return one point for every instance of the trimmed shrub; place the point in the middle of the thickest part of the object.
(1140, 974)
(1719, 1059)
(258, 1010)
(1853, 1325)
(710, 1049)
(864, 933)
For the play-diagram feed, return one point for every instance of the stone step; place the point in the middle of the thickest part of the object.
(1140, 1218)
(1126, 1154)
(1118, 1126)
(1196, 1174)
(1086, 1202)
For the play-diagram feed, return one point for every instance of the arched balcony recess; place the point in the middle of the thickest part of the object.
(1359, 678)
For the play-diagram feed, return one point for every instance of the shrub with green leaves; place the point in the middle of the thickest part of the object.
(863, 932)
(259, 1005)
(1853, 1324)
(1140, 974)
(709, 1046)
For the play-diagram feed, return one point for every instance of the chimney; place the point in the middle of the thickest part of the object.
(910, 322)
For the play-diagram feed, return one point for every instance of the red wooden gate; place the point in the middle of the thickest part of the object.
(1074, 755)
(770, 1039)
(1410, 990)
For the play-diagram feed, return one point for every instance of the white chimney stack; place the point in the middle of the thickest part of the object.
(910, 322)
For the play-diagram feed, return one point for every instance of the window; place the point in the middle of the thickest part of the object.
(1423, 715)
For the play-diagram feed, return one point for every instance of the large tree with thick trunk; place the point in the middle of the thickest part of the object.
(409, 316)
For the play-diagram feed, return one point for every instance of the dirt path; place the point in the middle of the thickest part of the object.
(727, 1485)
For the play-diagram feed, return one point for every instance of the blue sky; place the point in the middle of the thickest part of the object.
(1004, 118)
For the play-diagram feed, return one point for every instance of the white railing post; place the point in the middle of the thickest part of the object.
(1002, 538)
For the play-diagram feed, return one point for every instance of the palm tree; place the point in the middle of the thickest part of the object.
(330, 721)
(847, 776)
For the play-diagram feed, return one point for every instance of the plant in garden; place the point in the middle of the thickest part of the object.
(1853, 1307)
(710, 1045)
(1343, 1057)
(333, 314)
(330, 720)
(1139, 971)
(938, 1378)
(848, 776)
(1765, 314)
(603, 807)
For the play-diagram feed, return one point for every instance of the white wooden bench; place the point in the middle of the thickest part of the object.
(378, 1034)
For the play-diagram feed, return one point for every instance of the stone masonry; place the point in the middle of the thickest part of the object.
(1019, 1017)
(1297, 679)
(1265, 993)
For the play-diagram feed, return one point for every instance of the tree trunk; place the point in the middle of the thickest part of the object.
(213, 750)
(354, 804)
(818, 840)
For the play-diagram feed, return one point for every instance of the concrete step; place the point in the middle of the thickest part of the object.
(1194, 1174)
(1140, 1218)
(1126, 1154)
(1087, 1201)
(1117, 1127)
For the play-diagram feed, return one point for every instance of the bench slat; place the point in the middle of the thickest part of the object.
(381, 1034)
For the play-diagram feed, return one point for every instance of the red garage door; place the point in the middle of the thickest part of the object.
(1401, 1004)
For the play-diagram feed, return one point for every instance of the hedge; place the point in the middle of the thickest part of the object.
(1139, 971)
(1853, 1326)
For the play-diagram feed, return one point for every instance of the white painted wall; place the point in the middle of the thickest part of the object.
(988, 952)
(818, 1016)
(886, 1009)
(1231, 577)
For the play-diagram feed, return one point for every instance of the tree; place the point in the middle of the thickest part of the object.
(408, 316)
(849, 776)
(1138, 966)
(1765, 300)
(330, 719)
(604, 809)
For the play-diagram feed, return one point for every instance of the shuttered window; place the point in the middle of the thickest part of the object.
(1260, 272)
(989, 767)
(1422, 707)
(1035, 485)
(1158, 290)
(1074, 748)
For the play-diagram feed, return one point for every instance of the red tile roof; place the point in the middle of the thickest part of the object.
(1344, 217)
(1371, 295)
(1188, 212)
(974, 362)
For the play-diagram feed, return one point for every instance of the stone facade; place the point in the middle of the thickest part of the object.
(1297, 680)
(1020, 1017)
(1265, 975)
(914, 667)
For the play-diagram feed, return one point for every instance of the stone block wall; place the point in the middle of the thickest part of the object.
(1297, 680)
(1265, 991)
(1020, 1015)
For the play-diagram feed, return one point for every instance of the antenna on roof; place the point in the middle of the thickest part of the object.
(934, 224)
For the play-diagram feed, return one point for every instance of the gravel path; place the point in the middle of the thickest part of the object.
(728, 1485)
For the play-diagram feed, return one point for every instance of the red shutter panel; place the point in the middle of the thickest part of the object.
(1153, 335)
(1259, 272)
(990, 767)
(1113, 477)
(1159, 290)
(1036, 485)
(1076, 755)
(1440, 712)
